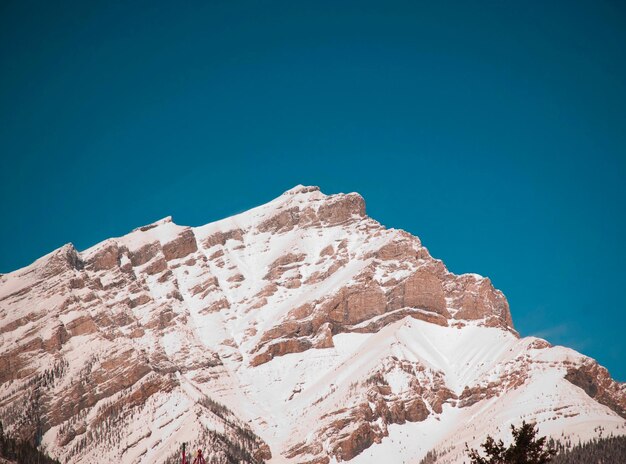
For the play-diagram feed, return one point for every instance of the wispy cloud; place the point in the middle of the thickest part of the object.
(564, 334)
(557, 331)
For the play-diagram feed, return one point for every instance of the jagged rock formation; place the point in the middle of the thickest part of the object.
(299, 331)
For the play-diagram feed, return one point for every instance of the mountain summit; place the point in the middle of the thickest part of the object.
(299, 331)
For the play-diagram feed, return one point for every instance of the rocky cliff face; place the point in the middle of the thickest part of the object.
(299, 331)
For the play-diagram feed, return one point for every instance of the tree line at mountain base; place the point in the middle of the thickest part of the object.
(527, 448)
(608, 450)
(22, 452)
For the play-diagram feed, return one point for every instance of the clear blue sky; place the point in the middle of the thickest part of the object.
(495, 131)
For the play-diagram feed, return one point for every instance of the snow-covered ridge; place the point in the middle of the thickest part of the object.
(301, 329)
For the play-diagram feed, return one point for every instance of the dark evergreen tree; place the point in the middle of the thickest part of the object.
(525, 449)
(22, 452)
(608, 450)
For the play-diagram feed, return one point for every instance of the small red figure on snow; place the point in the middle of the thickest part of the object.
(184, 455)
(199, 458)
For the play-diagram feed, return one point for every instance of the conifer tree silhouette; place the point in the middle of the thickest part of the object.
(525, 449)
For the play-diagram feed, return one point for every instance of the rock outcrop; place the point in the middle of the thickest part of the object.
(300, 328)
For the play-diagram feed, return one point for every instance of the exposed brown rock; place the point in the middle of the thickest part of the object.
(318, 276)
(144, 254)
(139, 300)
(210, 284)
(120, 371)
(397, 250)
(157, 266)
(324, 337)
(175, 294)
(82, 325)
(220, 238)
(540, 344)
(364, 304)
(56, 341)
(107, 258)
(425, 290)
(14, 324)
(347, 432)
(283, 264)
(415, 410)
(217, 254)
(268, 290)
(341, 208)
(598, 384)
(62, 260)
(293, 282)
(478, 299)
(15, 366)
(18, 294)
(77, 282)
(282, 222)
(281, 348)
(181, 246)
(216, 306)
(236, 278)
(393, 316)
(167, 275)
(327, 251)
(262, 453)
(509, 380)
(356, 441)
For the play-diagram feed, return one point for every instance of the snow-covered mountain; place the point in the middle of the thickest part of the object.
(299, 331)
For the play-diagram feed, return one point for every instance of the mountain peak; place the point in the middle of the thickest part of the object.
(165, 220)
(281, 314)
(303, 194)
(299, 189)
